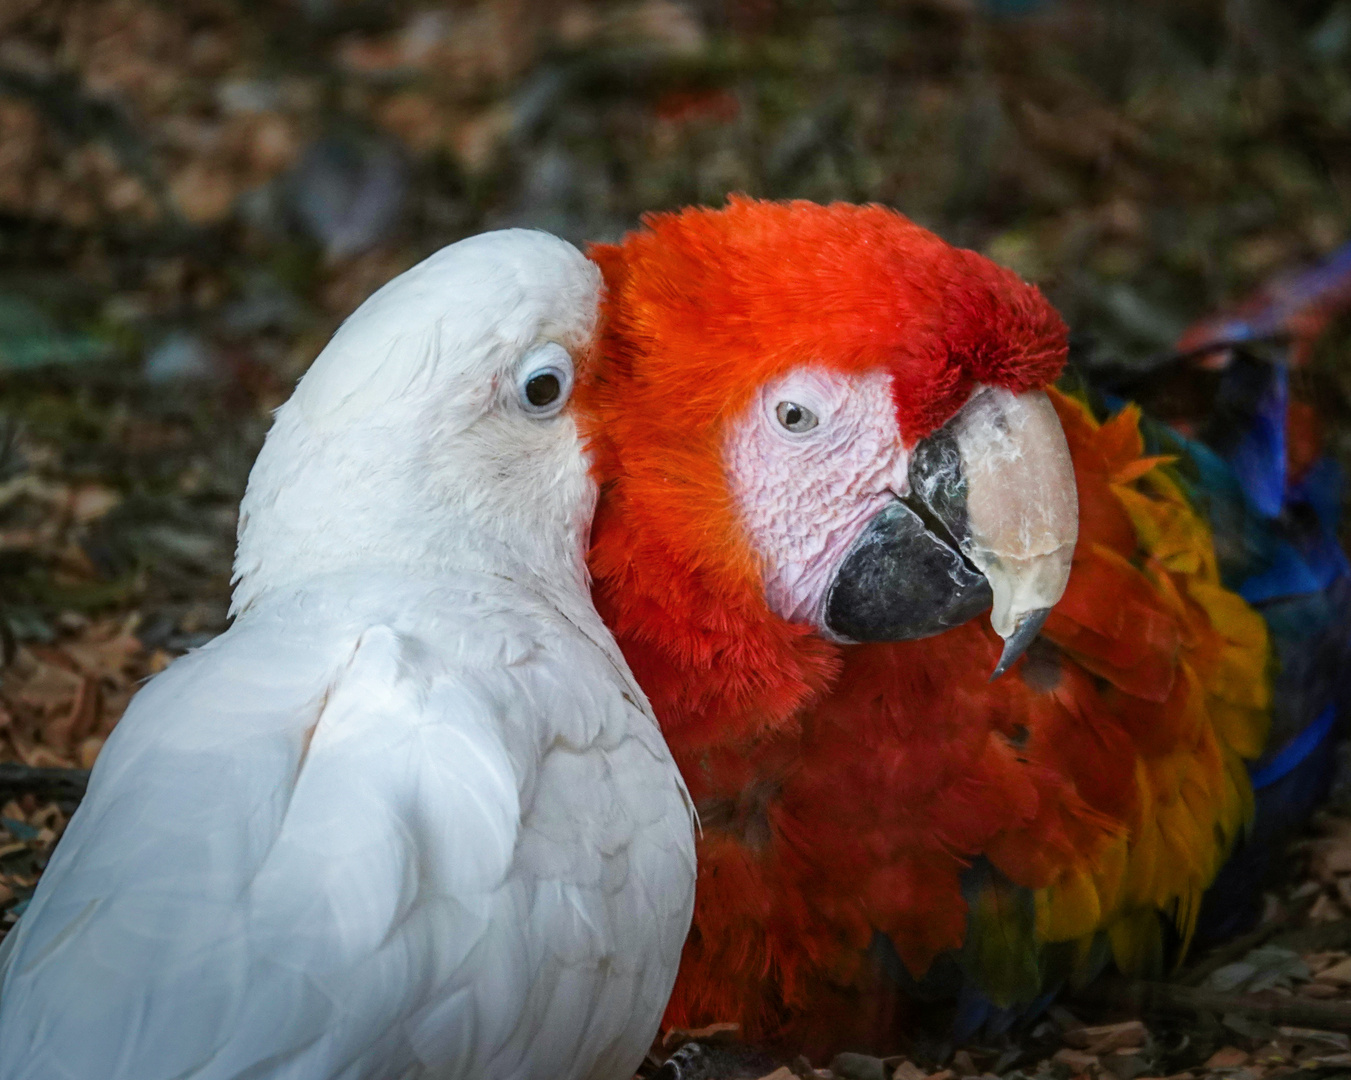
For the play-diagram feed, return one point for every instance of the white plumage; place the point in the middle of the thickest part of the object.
(410, 816)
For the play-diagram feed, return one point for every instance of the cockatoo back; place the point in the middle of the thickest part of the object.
(410, 816)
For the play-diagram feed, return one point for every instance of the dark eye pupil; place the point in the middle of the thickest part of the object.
(543, 389)
(795, 418)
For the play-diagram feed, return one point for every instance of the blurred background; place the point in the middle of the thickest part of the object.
(193, 193)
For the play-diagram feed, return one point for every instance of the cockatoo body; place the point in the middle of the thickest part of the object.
(410, 816)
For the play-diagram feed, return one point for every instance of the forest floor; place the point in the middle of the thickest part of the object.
(194, 194)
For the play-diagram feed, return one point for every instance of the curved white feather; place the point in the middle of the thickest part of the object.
(345, 850)
(410, 817)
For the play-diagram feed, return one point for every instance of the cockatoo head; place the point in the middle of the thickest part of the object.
(833, 414)
(434, 430)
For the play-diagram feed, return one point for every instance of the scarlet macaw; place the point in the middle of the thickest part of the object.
(785, 418)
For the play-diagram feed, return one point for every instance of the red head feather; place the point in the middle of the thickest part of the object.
(703, 308)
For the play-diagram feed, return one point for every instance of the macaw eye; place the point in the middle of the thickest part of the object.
(546, 381)
(795, 418)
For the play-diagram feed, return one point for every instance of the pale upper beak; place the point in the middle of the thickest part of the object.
(990, 520)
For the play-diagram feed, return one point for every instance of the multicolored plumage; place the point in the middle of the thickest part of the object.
(1252, 459)
(880, 821)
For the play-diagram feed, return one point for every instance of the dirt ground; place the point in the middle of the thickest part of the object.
(194, 193)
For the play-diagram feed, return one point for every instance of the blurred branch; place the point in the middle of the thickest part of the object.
(1151, 998)
(61, 784)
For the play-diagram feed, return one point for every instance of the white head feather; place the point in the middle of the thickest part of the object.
(406, 446)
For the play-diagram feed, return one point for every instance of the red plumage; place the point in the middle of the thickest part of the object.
(844, 790)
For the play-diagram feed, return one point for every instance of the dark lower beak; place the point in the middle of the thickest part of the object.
(902, 581)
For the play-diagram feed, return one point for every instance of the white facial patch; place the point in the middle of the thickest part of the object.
(805, 492)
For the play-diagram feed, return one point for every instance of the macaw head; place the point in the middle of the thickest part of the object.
(821, 425)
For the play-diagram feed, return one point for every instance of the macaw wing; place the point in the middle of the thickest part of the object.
(1208, 624)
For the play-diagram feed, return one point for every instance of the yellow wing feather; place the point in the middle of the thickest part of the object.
(1192, 797)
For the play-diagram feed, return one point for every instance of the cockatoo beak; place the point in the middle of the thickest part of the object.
(990, 520)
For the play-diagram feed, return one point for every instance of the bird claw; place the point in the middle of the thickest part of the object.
(714, 1061)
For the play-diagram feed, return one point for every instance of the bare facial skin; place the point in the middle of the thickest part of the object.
(818, 454)
(806, 495)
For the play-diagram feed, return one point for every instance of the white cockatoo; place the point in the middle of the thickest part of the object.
(410, 816)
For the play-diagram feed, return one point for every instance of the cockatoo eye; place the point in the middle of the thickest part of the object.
(543, 389)
(795, 418)
(546, 381)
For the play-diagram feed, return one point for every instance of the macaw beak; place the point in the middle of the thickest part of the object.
(990, 520)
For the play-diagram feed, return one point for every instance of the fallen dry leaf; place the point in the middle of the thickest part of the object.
(1077, 1061)
(1108, 1037)
(1339, 974)
(1228, 1057)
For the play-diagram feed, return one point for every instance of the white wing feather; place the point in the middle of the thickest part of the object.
(338, 846)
